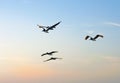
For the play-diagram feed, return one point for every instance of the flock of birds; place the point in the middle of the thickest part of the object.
(46, 30)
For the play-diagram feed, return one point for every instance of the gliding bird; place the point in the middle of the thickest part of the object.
(49, 53)
(93, 39)
(47, 28)
(52, 58)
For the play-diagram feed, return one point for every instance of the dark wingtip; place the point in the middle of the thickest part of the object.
(87, 37)
(59, 21)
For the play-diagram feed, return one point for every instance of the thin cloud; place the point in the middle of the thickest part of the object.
(113, 24)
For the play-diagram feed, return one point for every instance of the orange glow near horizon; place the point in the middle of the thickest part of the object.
(32, 71)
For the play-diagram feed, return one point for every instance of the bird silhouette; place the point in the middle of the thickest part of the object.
(93, 39)
(49, 53)
(52, 58)
(47, 28)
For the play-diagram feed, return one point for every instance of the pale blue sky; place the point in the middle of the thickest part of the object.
(22, 42)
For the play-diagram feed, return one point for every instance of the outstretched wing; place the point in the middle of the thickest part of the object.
(54, 58)
(58, 58)
(87, 37)
(44, 54)
(54, 52)
(101, 36)
(53, 26)
(98, 36)
(41, 26)
(47, 60)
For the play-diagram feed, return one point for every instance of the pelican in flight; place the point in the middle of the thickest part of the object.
(52, 58)
(47, 28)
(49, 53)
(93, 39)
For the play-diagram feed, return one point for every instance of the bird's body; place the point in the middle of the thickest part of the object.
(52, 58)
(49, 53)
(93, 39)
(44, 29)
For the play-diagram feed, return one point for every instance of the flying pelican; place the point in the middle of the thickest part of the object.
(52, 58)
(93, 39)
(49, 53)
(47, 28)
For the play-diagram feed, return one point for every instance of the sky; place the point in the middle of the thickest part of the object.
(83, 61)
